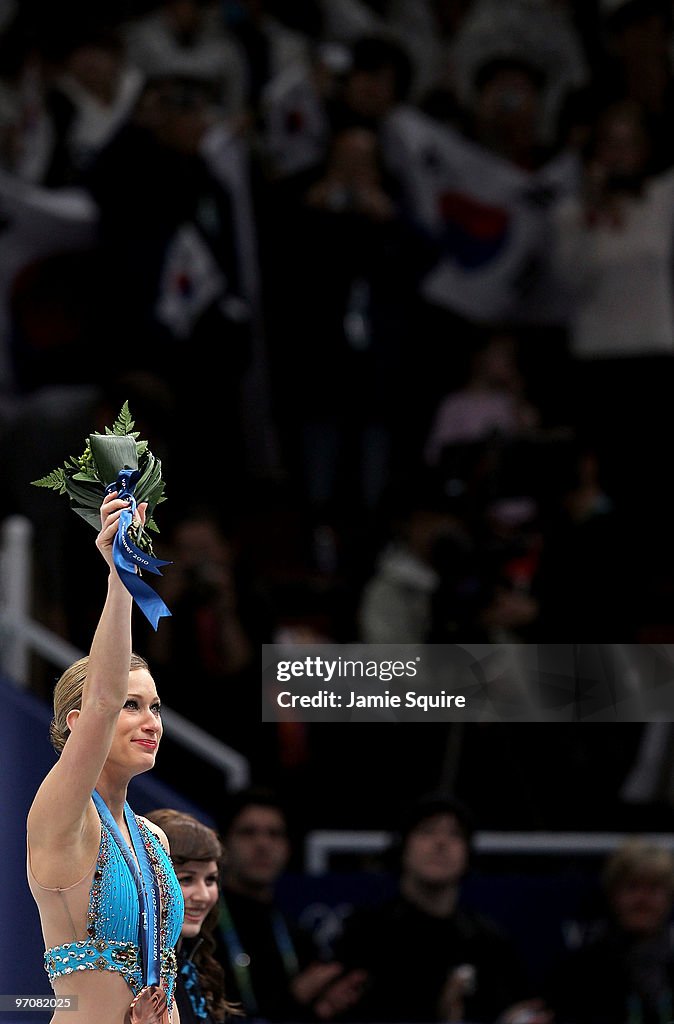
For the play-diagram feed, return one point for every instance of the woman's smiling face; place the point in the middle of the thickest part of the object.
(199, 883)
(139, 727)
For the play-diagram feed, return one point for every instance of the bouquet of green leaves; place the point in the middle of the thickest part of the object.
(84, 478)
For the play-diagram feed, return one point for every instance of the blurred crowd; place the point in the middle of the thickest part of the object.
(420, 948)
(388, 287)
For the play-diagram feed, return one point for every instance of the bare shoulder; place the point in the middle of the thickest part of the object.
(60, 857)
(158, 832)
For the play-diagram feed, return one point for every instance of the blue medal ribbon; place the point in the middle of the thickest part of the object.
(128, 557)
(146, 884)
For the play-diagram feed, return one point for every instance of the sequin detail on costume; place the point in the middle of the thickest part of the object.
(113, 922)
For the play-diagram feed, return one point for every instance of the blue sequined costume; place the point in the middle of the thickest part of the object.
(112, 942)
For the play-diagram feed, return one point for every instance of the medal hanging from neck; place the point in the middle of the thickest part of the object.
(150, 1005)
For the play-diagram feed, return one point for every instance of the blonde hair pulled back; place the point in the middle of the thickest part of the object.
(68, 697)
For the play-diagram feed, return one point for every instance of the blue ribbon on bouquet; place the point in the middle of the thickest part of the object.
(127, 555)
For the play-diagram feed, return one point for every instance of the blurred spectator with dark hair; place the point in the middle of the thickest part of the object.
(261, 953)
(492, 402)
(483, 191)
(90, 90)
(624, 972)
(343, 86)
(484, 451)
(612, 252)
(426, 955)
(377, 79)
(637, 67)
(172, 262)
(342, 265)
(65, 87)
(397, 601)
(505, 111)
(543, 36)
(272, 967)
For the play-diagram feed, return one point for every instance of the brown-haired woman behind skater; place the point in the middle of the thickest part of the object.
(196, 853)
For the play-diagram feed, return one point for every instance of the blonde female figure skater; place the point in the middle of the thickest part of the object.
(110, 904)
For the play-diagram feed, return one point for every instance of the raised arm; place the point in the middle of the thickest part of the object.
(57, 815)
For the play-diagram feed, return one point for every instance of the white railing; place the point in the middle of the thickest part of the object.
(15, 596)
(20, 636)
(322, 845)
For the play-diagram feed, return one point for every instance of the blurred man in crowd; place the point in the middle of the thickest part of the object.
(272, 967)
(426, 956)
(624, 974)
